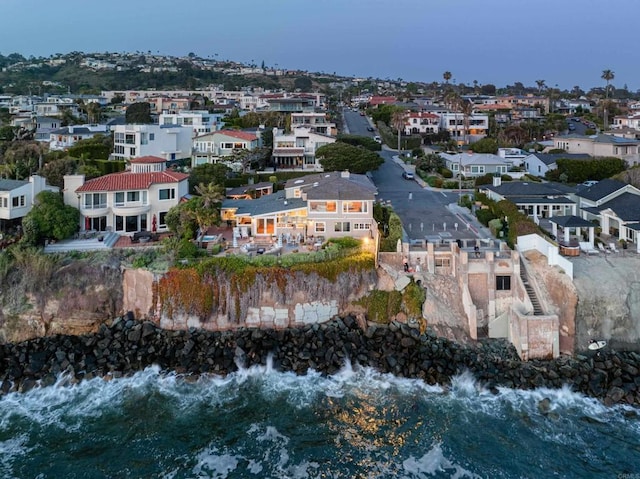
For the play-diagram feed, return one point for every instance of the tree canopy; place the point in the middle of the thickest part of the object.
(139, 113)
(208, 173)
(357, 140)
(50, 218)
(577, 171)
(342, 156)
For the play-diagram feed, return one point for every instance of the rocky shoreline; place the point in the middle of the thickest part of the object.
(127, 346)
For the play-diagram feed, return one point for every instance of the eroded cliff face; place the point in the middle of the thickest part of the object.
(76, 299)
(276, 298)
(609, 306)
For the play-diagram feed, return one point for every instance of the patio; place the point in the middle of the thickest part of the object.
(249, 245)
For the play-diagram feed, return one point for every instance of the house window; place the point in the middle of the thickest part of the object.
(168, 194)
(354, 207)
(95, 200)
(361, 226)
(161, 221)
(5, 203)
(342, 226)
(503, 283)
(119, 201)
(133, 196)
(132, 152)
(442, 262)
(118, 149)
(320, 227)
(152, 136)
(130, 139)
(322, 206)
(18, 201)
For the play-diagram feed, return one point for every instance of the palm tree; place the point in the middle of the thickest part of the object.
(447, 76)
(453, 102)
(466, 107)
(540, 84)
(208, 213)
(607, 75)
(397, 120)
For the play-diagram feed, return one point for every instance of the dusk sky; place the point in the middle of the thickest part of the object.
(564, 42)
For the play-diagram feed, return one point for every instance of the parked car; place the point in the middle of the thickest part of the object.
(407, 175)
(378, 139)
(370, 128)
(589, 183)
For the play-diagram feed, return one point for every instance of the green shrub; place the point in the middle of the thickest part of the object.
(451, 185)
(394, 233)
(446, 172)
(485, 215)
(506, 178)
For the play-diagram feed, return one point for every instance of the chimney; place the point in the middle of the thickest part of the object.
(497, 180)
(344, 174)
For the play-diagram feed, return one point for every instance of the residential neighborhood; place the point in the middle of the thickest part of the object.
(251, 172)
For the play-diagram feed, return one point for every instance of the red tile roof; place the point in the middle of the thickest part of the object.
(148, 159)
(243, 135)
(127, 181)
(381, 100)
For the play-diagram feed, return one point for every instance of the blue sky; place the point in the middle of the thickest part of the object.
(564, 42)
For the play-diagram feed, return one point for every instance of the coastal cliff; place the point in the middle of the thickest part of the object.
(44, 296)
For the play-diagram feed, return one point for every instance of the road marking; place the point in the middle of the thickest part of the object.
(443, 194)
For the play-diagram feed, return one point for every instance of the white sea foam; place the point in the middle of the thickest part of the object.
(433, 462)
(213, 463)
(10, 450)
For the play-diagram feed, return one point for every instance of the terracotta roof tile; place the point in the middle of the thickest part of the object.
(127, 181)
(243, 135)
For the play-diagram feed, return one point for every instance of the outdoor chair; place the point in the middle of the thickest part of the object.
(612, 247)
(603, 249)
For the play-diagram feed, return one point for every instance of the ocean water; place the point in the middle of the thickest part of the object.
(260, 423)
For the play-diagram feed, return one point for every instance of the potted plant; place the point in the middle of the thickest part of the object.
(623, 243)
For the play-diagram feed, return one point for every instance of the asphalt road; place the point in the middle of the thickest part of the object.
(425, 213)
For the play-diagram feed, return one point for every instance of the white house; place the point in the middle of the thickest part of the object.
(297, 150)
(600, 145)
(316, 122)
(630, 121)
(213, 147)
(17, 197)
(128, 201)
(538, 164)
(616, 206)
(56, 106)
(201, 121)
(67, 136)
(472, 165)
(454, 123)
(421, 122)
(171, 142)
(44, 126)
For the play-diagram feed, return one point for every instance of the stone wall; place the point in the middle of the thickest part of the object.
(127, 346)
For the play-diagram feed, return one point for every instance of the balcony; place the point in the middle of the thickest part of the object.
(131, 209)
(94, 211)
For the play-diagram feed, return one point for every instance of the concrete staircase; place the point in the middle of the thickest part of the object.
(537, 308)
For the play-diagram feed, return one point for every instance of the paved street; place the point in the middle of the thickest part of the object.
(425, 213)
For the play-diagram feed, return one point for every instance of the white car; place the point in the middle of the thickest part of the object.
(589, 183)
